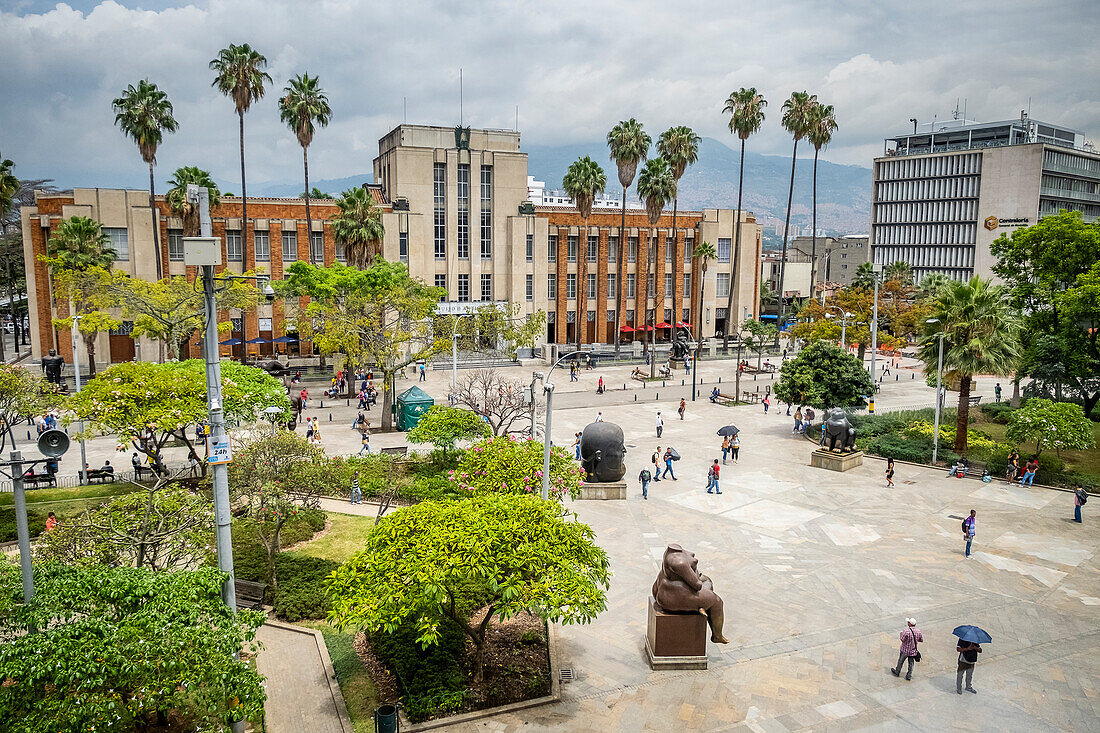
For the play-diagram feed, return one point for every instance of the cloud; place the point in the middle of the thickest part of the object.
(573, 69)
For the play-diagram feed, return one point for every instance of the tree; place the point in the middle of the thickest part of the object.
(375, 316)
(23, 395)
(144, 114)
(176, 198)
(583, 181)
(900, 271)
(823, 376)
(304, 105)
(444, 426)
(358, 227)
(755, 334)
(173, 310)
(119, 649)
(820, 128)
(149, 404)
(316, 193)
(797, 111)
(629, 145)
(980, 331)
(746, 110)
(239, 75)
(505, 464)
(931, 285)
(1058, 425)
(523, 551)
(704, 252)
(864, 278)
(498, 399)
(655, 186)
(9, 184)
(680, 147)
(78, 243)
(494, 328)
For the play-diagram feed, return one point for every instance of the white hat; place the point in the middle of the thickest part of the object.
(911, 621)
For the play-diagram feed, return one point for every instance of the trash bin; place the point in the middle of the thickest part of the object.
(385, 719)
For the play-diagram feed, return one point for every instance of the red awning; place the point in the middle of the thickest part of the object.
(663, 324)
(646, 327)
(683, 324)
(626, 329)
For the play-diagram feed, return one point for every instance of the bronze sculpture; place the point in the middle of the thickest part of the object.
(679, 587)
(51, 365)
(602, 451)
(839, 432)
(273, 367)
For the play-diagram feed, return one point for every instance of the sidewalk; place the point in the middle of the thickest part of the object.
(302, 693)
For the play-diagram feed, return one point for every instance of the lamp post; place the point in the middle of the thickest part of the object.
(454, 351)
(843, 324)
(548, 390)
(939, 373)
(874, 322)
(83, 473)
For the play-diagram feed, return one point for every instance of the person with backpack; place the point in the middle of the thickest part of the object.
(1080, 496)
(909, 636)
(968, 531)
(669, 457)
(645, 477)
(712, 479)
(655, 459)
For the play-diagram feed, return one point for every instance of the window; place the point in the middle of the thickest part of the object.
(530, 247)
(723, 249)
(175, 245)
(317, 246)
(552, 248)
(689, 246)
(591, 285)
(670, 247)
(403, 246)
(613, 249)
(261, 243)
(530, 288)
(441, 282)
(632, 249)
(570, 316)
(687, 284)
(593, 247)
(571, 248)
(233, 245)
(651, 285)
(552, 286)
(722, 286)
(463, 288)
(341, 252)
(630, 316)
(668, 284)
(440, 196)
(668, 315)
(120, 241)
(487, 212)
(486, 287)
(463, 211)
(630, 279)
(611, 281)
(685, 316)
(611, 316)
(590, 316)
(290, 246)
(570, 286)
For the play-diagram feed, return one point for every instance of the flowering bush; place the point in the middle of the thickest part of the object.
(975, 439)
(507, 465)
(1058, 425)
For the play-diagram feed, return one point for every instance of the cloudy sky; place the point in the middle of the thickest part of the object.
(573, 69)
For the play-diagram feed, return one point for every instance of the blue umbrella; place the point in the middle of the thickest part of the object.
(258, 340)
(285, 340)
(972, 634)
(230, 342)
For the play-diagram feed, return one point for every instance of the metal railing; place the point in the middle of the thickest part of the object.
(72, 481)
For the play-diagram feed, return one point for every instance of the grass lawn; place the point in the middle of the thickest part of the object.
(358, 689)
(99, 491)
(344, 538)
(1081, 461)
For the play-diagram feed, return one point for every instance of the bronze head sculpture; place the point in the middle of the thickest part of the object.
(679, 587)
(603, 449)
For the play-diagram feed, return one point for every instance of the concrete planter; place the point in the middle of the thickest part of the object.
(609, 491)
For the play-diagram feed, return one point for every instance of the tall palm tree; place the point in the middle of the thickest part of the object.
(78, 245)
(901, 271)
(305, 103)
(239, 74)
(864, 277)
(359, 227)
(680, 147)
(820, 134)
(746, 110)
(629, 145)
(796, 120)
(655, 187)
(704, 252)
(176, 198)
(9, 185)
(583, 181)
(144, 114)
(981, 335)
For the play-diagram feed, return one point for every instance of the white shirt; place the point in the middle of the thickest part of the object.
(660, 421)
(599, 417)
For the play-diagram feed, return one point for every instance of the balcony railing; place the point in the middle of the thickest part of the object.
(1066, 193)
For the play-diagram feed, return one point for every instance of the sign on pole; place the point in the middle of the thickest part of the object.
(220, 450)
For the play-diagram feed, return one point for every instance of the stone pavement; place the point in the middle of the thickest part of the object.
(299, 696)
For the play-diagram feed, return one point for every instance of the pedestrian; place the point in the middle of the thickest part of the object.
(807, 419)
(710, 479)
(423, 373)
(714, 471)
(909, 636)
(51, 521)
(309, 430)
(645, 477)
(362, 399)
(968, 657)
(687, 365)
(304, 394)
(997, 391)
(683, 406)
(1080, 496)
(193, 464)
(588, 362)
(364, 444)
(1030, 470)
(735, 447)
(356, 493)
(668, 464)
(297, 378)
(316, 432)
(655, 459)
(660, 424)
(969, 531)
(767, 402)
(599, 417)
(889, 473)
(725, 447)
(1012, 466)
(599, 386)
(577, 446)
(797, 419)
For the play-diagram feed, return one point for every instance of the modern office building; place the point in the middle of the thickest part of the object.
(941, 195)
(455, 209)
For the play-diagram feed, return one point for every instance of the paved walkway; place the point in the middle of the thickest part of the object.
(299, 697)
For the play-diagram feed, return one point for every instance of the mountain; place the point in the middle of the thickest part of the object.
(843, 191)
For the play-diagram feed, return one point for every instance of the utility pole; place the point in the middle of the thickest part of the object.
(874, 331)
(83, 473)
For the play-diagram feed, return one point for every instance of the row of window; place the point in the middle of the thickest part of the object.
(922, 190)
(943, 257)
(571, 316)
(462, 226)
(931, 167)
(1070, 163)
(464, 286)
(927, 234)
(593, 249)
(958, 210)
(1076, 185)
(612, 282)
(234, 250)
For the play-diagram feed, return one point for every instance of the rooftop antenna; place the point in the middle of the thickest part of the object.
(517, 119)
(405, 106)
(955, 114)
(460, 96)
(964, 109)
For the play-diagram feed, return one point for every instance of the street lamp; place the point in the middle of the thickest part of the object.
(454, 351)
(548, 389)
(843, 324)
(83, 473)
(273, 413)
(939, 372)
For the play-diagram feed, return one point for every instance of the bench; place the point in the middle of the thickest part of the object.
(638, 376)
(725, 399)
(664, 373)
(97, 475)
(750, 397)
(975, 400)
(139, 469)
(250, 594)
(397, 450)
(31, 481)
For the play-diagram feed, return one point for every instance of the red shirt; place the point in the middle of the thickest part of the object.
(716, 470)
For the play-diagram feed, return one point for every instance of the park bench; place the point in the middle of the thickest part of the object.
(31, 481)
(98, 475)
(664, 373)
(397, 450)
(140, 469)
(725, 399)
(250, 594)
(638, 376)
(750, 397)
(975, 400)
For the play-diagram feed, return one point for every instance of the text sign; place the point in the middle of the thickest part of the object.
(220, 451)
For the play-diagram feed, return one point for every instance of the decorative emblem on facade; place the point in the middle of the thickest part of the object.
(991, 223)
(462, 137)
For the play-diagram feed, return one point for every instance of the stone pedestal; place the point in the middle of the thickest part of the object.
(676, 640)
(603, 491)
(821, 458)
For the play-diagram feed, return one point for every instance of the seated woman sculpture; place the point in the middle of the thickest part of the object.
(680, 587)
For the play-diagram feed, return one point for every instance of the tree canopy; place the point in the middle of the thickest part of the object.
(505, 464)
(444, 426)
(23, 395)
(1058, 425)
(824, 376)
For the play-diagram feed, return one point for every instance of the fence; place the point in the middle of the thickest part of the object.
(179, 470)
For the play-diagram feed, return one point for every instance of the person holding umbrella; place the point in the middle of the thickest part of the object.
(970, 640)
(729, 435)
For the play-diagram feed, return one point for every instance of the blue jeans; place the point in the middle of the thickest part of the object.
(1077, 513)
(714, 485)
(668, 470)
(645, 489)
(1028, 479)
(356, 496)
(578, 446)
(725, 452)
(968, 541)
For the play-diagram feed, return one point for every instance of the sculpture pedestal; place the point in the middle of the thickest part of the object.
(676, 640)
(836, 461)
(605, 490)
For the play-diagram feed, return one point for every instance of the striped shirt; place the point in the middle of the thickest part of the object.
(909, 638)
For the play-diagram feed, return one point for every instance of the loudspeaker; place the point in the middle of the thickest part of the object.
(53, 443)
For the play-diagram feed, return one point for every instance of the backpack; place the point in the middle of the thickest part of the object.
(965, 529)
(1082, 496)
(673, 454)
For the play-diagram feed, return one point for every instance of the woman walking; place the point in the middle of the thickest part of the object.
(889, 473)
(735, 446)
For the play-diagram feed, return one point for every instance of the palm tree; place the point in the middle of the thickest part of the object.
(583, 181)
(931, 285)
(358, 227)
(9, 185)
(796, 120)
(629, 145)
(704, 252)
(820, 134)
(78, 245)
(316, 193)
(305, 104)
(144, 114)
(981, 335)
(900, 271)
(655, 186)
(864, 277)
(680, 147)
(746, 110)
(239, 74)
(176, 198)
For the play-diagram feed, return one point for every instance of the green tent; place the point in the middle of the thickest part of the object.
(411, 406)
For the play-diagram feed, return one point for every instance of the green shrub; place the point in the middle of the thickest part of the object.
(902, 448)
(301, 588)
(36, 523)
(1050, 466)
(249, 553)
(997, 412)
(432, 680)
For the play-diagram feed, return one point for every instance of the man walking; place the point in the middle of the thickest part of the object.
(909, 636)
(423, 373)
(660, 424)
(668, 464)
(655, 459)
(968, 657)
(968, 531)
(713, 476)
(997, 391)
(645, 478)
(683, 406)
